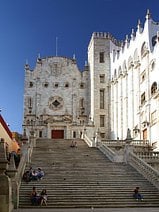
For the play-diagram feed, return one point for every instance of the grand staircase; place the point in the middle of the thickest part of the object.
(83, 177)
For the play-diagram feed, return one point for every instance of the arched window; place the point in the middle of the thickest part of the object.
(119, 71)
(130, 62)
(115, 73)
(30, 84)
(136, 56)
(46, 84)
(154, 38)
(82, 102)
(153, 88)
(124, 66)
(144, 50)
(152, 65)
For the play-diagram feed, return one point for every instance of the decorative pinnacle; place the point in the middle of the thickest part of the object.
(74, 56)
(26, 64)
(148, 14)
(126, 38)
(139, 26)
(132, 33)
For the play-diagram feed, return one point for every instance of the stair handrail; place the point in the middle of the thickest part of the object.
(151, 174)
(88, 141)
(27, 150)
(113, 156)
(106, 151)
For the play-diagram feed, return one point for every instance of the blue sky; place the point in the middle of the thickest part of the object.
(30, 27)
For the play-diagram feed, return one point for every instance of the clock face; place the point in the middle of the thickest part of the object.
(55, 68)
(55, 103)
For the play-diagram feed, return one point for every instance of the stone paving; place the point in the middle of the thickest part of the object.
(91, 210)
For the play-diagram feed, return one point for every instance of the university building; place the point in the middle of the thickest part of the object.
(117, 90)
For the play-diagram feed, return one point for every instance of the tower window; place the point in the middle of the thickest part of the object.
(102, 99)
(102, 119)
(101, 57)
(102, 78)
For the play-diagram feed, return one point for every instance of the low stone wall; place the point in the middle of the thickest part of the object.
(10, 177)
(5, 182)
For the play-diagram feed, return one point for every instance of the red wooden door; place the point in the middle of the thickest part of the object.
(57, 134)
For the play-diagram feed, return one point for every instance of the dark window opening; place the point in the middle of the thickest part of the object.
(101, 57)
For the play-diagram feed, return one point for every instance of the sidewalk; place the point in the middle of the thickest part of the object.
(90, 210)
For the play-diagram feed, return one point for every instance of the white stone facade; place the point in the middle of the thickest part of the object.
(56, 95)
(134, 84)
(116, 91)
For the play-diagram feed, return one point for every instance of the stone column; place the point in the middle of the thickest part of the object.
(11, 173)
(5, 183)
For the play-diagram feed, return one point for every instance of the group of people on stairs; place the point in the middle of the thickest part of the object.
(33, 175)
(36, 175)
(38, 199)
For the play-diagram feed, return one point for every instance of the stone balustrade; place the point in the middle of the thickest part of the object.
(131, 158)
(123, 142)
(145, 169)
(27, 150)
(114, 157)
(148, 155)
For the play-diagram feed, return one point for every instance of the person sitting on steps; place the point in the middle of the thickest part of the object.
(34, 175)
(137, 195)
(40, 173)
(73, 144)
(43, 197)
(34, 197)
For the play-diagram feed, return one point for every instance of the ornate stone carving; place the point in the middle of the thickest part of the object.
(55, 68)
(55, 103)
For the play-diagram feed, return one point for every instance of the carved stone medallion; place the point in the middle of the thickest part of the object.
(55, 103)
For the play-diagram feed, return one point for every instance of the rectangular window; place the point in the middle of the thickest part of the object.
(101, 57)
(102, 119)
(40, 134)
(74, 134)
(30, 102)
(102, 99)
(81, 103)
(102, 78)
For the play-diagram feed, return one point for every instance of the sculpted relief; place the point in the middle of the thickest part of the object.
(55, 102)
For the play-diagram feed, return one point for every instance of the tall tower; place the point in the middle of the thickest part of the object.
(99, 64)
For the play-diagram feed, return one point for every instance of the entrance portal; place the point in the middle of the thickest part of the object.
(57, 134)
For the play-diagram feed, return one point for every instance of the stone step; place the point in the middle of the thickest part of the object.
(83, 177)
